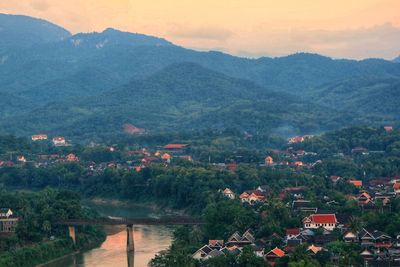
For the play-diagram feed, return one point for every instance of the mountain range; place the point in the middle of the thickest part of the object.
(90, 84)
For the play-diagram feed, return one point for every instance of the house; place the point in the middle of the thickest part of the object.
(166, 156)
(292, 243)
(297, 164)
(274, 254)
(228, 193)
(375, 238)
(314, 249)
(176, 148)
(314, 221)
(269, 161)
(71, 158)
(350, 237)
(258, 248)
(367, 254)
(241, 240)
(216, 244)
(59, 141)
(8, 222)
(363, 199)
(335, 178)
(296, 139)
(356, 183)
(382, 240)
(366, 238)
(292, 233)
(388, 128)
(38, 137)
(202, 253)
(252, 197)
(215, 253)
(21, 159)
(231, 166)
(233, 250)
(396, 188)
(6, 164)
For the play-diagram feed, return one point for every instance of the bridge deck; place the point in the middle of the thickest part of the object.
(137, 221)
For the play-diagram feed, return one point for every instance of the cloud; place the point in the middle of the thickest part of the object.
(40, 5)
(380, 41)
(202, 32)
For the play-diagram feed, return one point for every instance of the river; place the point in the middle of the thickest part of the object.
(149, 240)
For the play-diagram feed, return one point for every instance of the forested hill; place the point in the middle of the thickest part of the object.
(182, 96)
(364, 95)
(91, 83)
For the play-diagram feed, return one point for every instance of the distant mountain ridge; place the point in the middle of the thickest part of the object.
(27, 31)
(96, 82)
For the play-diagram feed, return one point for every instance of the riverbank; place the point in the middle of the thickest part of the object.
(151, 205)
(36, 254)
(86, 239)
(58, 259)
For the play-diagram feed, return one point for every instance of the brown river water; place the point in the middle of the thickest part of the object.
(149, 240)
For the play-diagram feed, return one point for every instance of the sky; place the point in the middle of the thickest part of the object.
(338, 28)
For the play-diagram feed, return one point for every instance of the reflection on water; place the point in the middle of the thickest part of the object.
(149, 240)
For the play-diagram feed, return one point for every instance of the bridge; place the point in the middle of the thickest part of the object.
(130, 243)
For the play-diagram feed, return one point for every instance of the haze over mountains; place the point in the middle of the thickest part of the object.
(92, 83)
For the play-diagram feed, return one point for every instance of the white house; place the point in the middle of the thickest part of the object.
(59, 141)
(326, 221)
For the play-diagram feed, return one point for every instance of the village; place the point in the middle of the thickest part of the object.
(318, 227)
(320, 219)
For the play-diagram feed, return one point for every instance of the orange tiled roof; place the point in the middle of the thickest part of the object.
(174, 146)
(278, 252)
(356, 183)
(314, 249)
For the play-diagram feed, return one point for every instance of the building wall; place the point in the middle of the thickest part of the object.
(8, 225)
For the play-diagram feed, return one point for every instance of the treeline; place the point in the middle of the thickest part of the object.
(38, 237)
(186, 186)
(345, 140)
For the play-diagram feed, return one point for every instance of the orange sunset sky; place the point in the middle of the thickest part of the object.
(338, 28)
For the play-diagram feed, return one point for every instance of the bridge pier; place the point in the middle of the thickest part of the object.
(130, 241)
(131, 258)
(71, 230)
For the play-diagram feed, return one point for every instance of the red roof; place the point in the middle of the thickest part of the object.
(356, 183)
(293, 231)
(278, 252)
(231, 166)
(396, 186)
(174, 146)
(323, 218)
